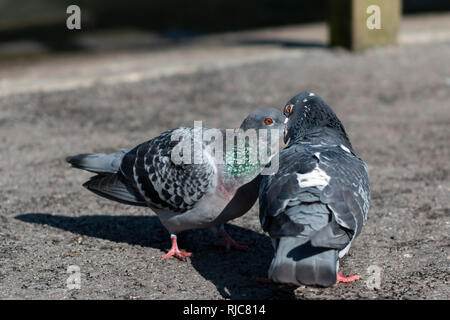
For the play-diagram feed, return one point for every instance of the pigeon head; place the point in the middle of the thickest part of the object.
(310, 118)
(258, 141)
(265, 118)
(269, 119)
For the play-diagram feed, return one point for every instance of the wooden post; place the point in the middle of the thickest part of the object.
(362, 24)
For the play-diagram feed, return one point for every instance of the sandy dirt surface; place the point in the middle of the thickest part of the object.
(394, 103)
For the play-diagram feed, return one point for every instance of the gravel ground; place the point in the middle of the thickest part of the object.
(394, 103)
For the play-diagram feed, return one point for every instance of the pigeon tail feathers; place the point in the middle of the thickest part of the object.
(297, 262)
(98, 162)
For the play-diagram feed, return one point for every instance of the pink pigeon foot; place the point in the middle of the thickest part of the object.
(175, 252)
(230, 243)
(341, 278)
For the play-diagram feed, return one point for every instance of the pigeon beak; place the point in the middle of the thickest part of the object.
(286, 137)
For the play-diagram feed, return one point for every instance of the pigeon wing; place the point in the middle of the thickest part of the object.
(281, 195)
(348, 192)
(163, 183)
(290, 206)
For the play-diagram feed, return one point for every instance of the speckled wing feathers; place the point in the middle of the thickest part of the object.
(164, 184)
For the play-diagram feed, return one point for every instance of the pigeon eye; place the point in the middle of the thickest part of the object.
(289, 108)
(268, 121)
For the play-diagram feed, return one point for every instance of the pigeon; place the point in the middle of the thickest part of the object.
(191, 177)
(317, 203)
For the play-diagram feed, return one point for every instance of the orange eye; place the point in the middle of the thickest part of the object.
(268, 121)
(289, 108)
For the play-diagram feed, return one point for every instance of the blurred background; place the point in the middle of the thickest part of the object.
(137, 68)
(37, 24)
(34, 33)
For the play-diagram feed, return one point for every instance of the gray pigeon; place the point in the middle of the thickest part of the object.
(318, 201)
(192, 177)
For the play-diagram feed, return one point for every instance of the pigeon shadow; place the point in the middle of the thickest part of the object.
(234, 273)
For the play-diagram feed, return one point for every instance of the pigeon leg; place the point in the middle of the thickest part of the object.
(230, 242)
(174, 251)
(341, 278)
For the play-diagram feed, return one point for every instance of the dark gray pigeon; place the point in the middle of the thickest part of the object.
(179, 175)
(318, 201)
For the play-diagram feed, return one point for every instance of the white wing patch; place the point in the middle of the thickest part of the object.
(345, 148)
(316, 178)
